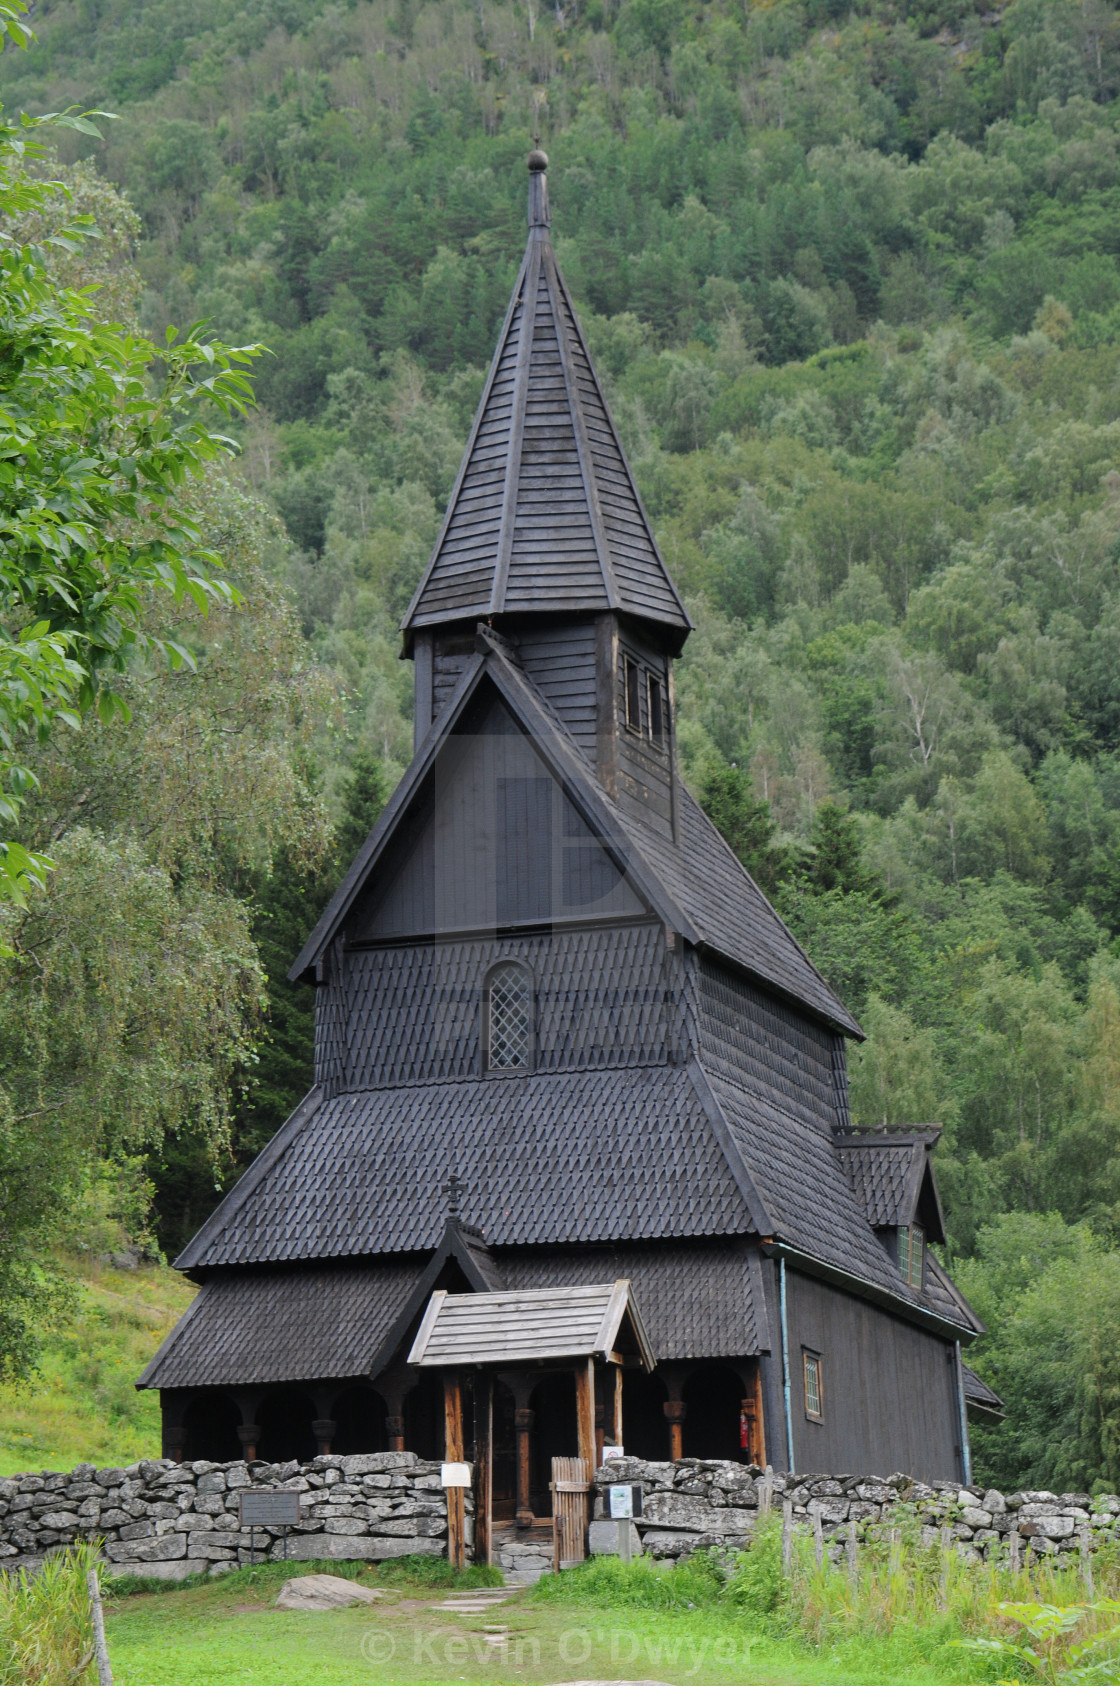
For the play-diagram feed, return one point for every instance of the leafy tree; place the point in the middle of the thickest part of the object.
(86, 533)
(728, 800)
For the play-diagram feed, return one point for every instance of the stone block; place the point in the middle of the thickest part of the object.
(603, 1539)
(147, 1551)
(176, 1571)
(114, 1518)
(61, 1521)
(238, 1476)
(663, 1544)
(202, 1547)
(214, 1482)
(342, 1548)
(432, 1525)
(376, 1463)
(974, 1517)
(1048, 1527)
(346, 1525)
(138, 1531)
(227, 1537)
(109, 1477)
(675, 1510)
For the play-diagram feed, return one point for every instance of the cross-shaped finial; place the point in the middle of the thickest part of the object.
(452, 1191)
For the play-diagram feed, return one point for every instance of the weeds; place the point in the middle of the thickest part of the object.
(45, 1634)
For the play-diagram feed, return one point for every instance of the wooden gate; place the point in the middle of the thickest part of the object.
(571, 1483)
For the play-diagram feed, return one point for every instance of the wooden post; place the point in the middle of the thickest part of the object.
(249, 1435)
(1013, 1541)
(896, 1552)
(1086, 1559)
(818, 1539)
(766, 1492)
(787, 1536)
(600, 1427)
(453, 1452)
(97, 1621)
(619, 1438)
(324, 1430)
(394, 1432)
(944, 1538)
(676, 1411)
(523, 1420)
(484, 1466)
(853, 1558)
(585, 1413)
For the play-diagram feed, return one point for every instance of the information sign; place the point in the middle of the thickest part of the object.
(455, 1475)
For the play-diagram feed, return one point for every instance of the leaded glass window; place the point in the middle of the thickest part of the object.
(911, 1253)
(509, 1018)
(813, 1391)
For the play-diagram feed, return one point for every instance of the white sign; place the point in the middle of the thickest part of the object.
(622, 1502)
(612, 1452)
(455, 1475)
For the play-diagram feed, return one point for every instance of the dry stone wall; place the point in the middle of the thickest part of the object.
(703, 1503)
(168, 1520)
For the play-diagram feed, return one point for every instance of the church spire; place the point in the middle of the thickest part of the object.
(545, 517)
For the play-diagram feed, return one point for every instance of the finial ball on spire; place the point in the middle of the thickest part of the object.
(538, 160)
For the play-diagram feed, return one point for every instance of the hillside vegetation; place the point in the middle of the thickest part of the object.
(851, 276)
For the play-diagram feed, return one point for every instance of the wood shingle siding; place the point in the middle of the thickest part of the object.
(545, 515)
(273, 1326)
(415, 1011)
(547, 1159)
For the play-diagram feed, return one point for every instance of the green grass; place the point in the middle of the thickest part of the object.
(603, 1621)
(83, 1406)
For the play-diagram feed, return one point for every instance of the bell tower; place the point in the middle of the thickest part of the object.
(547, 545)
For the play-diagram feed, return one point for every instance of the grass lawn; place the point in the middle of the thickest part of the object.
(83, 1407)
(225, 1632)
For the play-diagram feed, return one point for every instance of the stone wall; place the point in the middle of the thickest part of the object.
(170, 1520)
(702, 1503)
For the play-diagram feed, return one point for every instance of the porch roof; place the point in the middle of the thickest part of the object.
(526, 1326)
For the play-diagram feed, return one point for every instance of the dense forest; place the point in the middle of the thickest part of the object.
(852, 276)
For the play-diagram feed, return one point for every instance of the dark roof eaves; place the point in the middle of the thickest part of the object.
(244, 1186)
(147, 1376)
(911, 1311)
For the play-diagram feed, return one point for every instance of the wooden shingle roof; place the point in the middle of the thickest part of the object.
(891, 1176)
(545, 516)
(528, 1325)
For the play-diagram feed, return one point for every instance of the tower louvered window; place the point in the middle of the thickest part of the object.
(508, 1024)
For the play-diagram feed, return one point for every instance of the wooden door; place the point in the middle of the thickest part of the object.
(571, 1484)
(504, 1454)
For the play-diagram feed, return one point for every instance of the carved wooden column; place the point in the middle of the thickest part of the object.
(324, 1429)
(523, 1420)
(484, 1465)
(453, 1452)
(249, 1434)
(585, 1413)
(676, 1411)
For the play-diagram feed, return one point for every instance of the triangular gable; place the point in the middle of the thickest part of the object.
(561, 760)
(698, 888)
(892, 1175)
(545, 514)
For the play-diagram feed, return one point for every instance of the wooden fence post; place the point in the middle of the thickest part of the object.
(766, 1492)
(1086, 1560)
(97, 1619)
(818, 1539)
(853, 1559)
(787, 1536)
(896, 1552)
(943, 1539)
(1016, 1547)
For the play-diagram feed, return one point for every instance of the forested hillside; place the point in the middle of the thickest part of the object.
(851, 275)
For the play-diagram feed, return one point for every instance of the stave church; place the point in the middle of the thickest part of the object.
(578, 1141)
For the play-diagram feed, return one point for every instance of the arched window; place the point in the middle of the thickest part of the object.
(507, 1018)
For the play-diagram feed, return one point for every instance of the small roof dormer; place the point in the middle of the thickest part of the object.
(892, 1175)
(545, 518)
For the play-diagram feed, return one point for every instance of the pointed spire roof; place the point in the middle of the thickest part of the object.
(545, 516)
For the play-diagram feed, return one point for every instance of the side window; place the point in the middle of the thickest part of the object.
(507, 1018)
(814, 1390)
(912, 1253)
(656, 711)
(633, 694)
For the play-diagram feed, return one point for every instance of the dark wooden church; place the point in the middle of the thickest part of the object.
(579, 1134)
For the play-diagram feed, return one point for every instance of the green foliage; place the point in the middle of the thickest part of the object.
(696, 1583)
(87, 531)
(757, 1585)
(1054, 1654)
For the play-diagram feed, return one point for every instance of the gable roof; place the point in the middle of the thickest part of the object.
(545, 515)
(548, 1159)
(523, 1325)
(696, 886)
(891, 1175)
